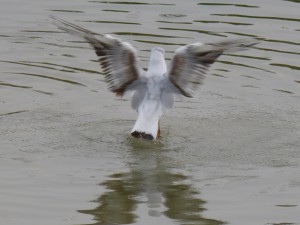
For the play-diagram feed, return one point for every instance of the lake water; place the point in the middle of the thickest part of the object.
(229, 156)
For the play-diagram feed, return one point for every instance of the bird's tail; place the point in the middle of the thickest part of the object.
(145, 128)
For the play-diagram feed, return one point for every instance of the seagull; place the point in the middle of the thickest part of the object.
(153, 90)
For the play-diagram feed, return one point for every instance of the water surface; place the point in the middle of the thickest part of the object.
(228, 156)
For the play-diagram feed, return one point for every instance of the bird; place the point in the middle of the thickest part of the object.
(153, 90)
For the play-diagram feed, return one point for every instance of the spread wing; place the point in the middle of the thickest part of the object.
(191, 62)
(118, 59)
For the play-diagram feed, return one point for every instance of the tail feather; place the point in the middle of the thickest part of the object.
(142, 135)
(147, 123)
(146, 129)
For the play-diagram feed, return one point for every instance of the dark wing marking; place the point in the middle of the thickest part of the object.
(191, 62)
(118, 59)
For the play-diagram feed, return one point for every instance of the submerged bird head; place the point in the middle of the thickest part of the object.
(157, 62)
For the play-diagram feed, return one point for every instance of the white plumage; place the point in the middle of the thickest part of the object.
(153, 89)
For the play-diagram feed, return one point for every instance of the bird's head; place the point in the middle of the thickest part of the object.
(158, 50)
(157, 64)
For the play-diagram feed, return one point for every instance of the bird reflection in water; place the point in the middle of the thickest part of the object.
(152, 185)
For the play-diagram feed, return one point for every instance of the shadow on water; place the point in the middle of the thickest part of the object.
(150, 185)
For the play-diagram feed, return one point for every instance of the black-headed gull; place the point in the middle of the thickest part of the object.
(153, 89)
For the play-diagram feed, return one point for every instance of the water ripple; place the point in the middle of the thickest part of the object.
(244, 65)
(172, 15)
(114, 22)
(193, 30)
(66, 10)
(258, 17)
(224, 22)
(228, 4)
(278, 51)
(115, 10)
(48, 77)
(286, 66)
(146, 35)
(131, 3)
(175, 22)
(47, 65)
(13, 85)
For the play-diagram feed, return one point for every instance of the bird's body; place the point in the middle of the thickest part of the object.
(154, 89)
(152, 105)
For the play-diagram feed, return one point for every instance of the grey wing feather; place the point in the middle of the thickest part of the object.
(118, 59)
(138, 96)
(191, 62)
